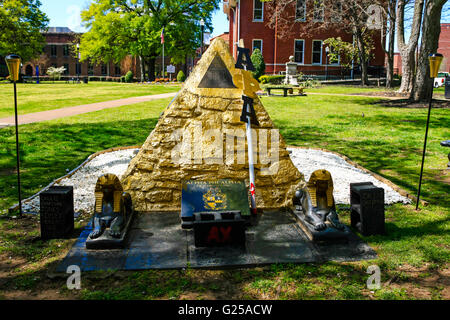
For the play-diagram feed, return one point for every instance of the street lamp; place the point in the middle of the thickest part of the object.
(202, 24)
(78, 63)
(13, 63)
(327, 50)
(435, 60)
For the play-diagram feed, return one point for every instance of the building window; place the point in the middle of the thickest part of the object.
(318, 10)
(104, 71)
(65, 50)
(300, 12)
(90, 69)
(53, 50)
(258, 10)
(117, 70)
(317, 52)
(337, 10)
(257, 44)
(299, 51)
(66, 66)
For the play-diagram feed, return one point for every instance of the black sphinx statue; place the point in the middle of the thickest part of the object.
(316, 210)
(112, 215)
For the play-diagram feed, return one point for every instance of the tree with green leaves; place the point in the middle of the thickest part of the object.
(118, 28)
(259, 64)
(346, 53)
(21, 24)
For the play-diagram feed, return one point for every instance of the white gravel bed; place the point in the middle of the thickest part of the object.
(343, 173)
(84, 180)
(306, 160)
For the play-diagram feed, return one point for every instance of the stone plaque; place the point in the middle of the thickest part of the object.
(217, 75)
(56, 212)
(213, 196)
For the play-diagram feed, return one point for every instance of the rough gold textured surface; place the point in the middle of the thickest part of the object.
(154, 180)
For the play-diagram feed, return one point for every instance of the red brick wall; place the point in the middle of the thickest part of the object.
(250, 30)
(59, 40)
(444, 46)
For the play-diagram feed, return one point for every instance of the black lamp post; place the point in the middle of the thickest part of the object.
(13, 62)
(202, 24)
(435, 60)
(327, 50)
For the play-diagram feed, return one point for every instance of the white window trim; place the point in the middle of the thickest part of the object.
(253, 47)
(323, 13)
(303, 54)
(262, 12)
(312, 52)
(304, 17)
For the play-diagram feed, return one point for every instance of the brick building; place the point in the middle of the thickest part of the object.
(248, 19)
(444, 46)
(59, 52)
(444, 49)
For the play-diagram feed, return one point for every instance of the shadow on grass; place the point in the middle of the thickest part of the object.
(51, 150)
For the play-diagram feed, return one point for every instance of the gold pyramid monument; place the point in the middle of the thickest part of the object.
(211, 99)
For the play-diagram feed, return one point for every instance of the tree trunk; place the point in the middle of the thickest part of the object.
(431, 30)
(151, 69)
(391, 45)
(141, 65)
(362, 58)
(407, 50)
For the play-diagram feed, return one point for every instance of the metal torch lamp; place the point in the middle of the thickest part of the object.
(13, 63)
(435, 60)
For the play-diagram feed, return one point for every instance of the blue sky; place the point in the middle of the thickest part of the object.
(66, 13)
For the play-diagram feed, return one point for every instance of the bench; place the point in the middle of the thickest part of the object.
(27, 79)
(287, 90)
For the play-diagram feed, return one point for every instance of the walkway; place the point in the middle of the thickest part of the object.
(72, 111)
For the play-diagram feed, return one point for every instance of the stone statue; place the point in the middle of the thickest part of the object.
(316, 202)
(112, 207)
(291, 72)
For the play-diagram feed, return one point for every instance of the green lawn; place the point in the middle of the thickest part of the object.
(413, 256)
(340, 89)
(48, 96)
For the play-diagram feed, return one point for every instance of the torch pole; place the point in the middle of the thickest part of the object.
(17, 149)
(425, 144)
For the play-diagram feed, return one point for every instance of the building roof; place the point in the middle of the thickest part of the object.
(59, 30)
(225, 36)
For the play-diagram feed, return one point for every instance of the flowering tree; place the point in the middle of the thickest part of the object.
(55, 73)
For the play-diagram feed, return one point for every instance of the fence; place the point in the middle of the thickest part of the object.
(341, 73)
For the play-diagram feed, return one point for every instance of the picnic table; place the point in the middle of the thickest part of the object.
(286, 90)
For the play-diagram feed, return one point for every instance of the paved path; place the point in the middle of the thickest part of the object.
(72, 111)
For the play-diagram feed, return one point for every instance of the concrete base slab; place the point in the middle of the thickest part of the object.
(157, 241)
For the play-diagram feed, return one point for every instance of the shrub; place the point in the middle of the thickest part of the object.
(129, 76)
(259, 64)
(274, 79)
(181, 77)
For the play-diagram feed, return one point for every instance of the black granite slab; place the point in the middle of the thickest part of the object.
(157, 241)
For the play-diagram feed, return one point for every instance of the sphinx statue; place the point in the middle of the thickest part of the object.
(113, 210)
(315, 205)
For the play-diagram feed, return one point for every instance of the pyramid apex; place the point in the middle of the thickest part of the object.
(215, 74)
